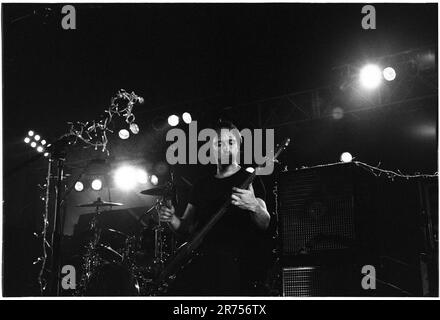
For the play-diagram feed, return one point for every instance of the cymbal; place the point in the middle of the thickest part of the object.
(165, 188)
(156, 191)
(100, 203)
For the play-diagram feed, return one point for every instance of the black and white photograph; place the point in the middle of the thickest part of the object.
(216, 150)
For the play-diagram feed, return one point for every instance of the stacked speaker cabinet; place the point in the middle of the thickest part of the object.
(335, 221)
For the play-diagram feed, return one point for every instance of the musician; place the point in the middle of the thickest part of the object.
(228, 260)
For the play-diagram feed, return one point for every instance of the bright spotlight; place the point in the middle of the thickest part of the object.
(43, 142)
(124, 134)
(40, 149)
(154, 180)
(370, 76)
(389, 74)
(186, 117)
(96, 184)
(33, 144)
(346, 157)
(142, 176)
(250, 169)
(37, 137)
(30, 133)
(173, 120)
(46, 154)
(27, 140)
(134, 128)
(126, 177)
(79, 186)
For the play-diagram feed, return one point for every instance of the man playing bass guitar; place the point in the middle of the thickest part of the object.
(229, 259)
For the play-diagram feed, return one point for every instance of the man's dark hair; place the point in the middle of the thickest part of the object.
(225, 124)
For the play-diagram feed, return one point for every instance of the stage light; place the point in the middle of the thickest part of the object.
(250, 169)
(79, 186)
(134, 128)
(27, 140)
(370, 76)
(154, 180)
(46, 154)
(96, 184)
(186, 117)
(40, 149)
(30, 133)
(43, 142)
(346, 157)
(124, 134)
(33, 144)
(173, 120)
(389, 74)
(142, 176)
(37, 137)
(126, 177)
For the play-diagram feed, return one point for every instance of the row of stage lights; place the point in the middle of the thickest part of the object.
(173, 120)
(36, 142)
(125, 178)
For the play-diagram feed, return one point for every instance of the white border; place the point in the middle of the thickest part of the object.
(176, 298)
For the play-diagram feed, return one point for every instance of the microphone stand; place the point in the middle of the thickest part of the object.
(58, 155)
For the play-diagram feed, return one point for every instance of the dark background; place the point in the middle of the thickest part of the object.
(180, 55)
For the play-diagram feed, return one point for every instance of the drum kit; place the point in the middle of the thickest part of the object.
(114, 263)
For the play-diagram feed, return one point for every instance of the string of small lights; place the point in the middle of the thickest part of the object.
(377, 172)
(94, 134)
(43, 234)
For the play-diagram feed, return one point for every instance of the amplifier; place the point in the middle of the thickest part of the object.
(322, 281)
(324, 208)
(337, 280)
(334, 219)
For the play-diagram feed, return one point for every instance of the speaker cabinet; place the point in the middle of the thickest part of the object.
(335, 219)
(322, 208)
(312, 281)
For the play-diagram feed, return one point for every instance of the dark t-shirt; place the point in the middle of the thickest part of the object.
(235, 233)
(231, 256)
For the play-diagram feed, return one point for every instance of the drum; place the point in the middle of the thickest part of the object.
(112, 245)
(112, 279)
(109, 243)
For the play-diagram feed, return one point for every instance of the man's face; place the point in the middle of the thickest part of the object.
(226, 147)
